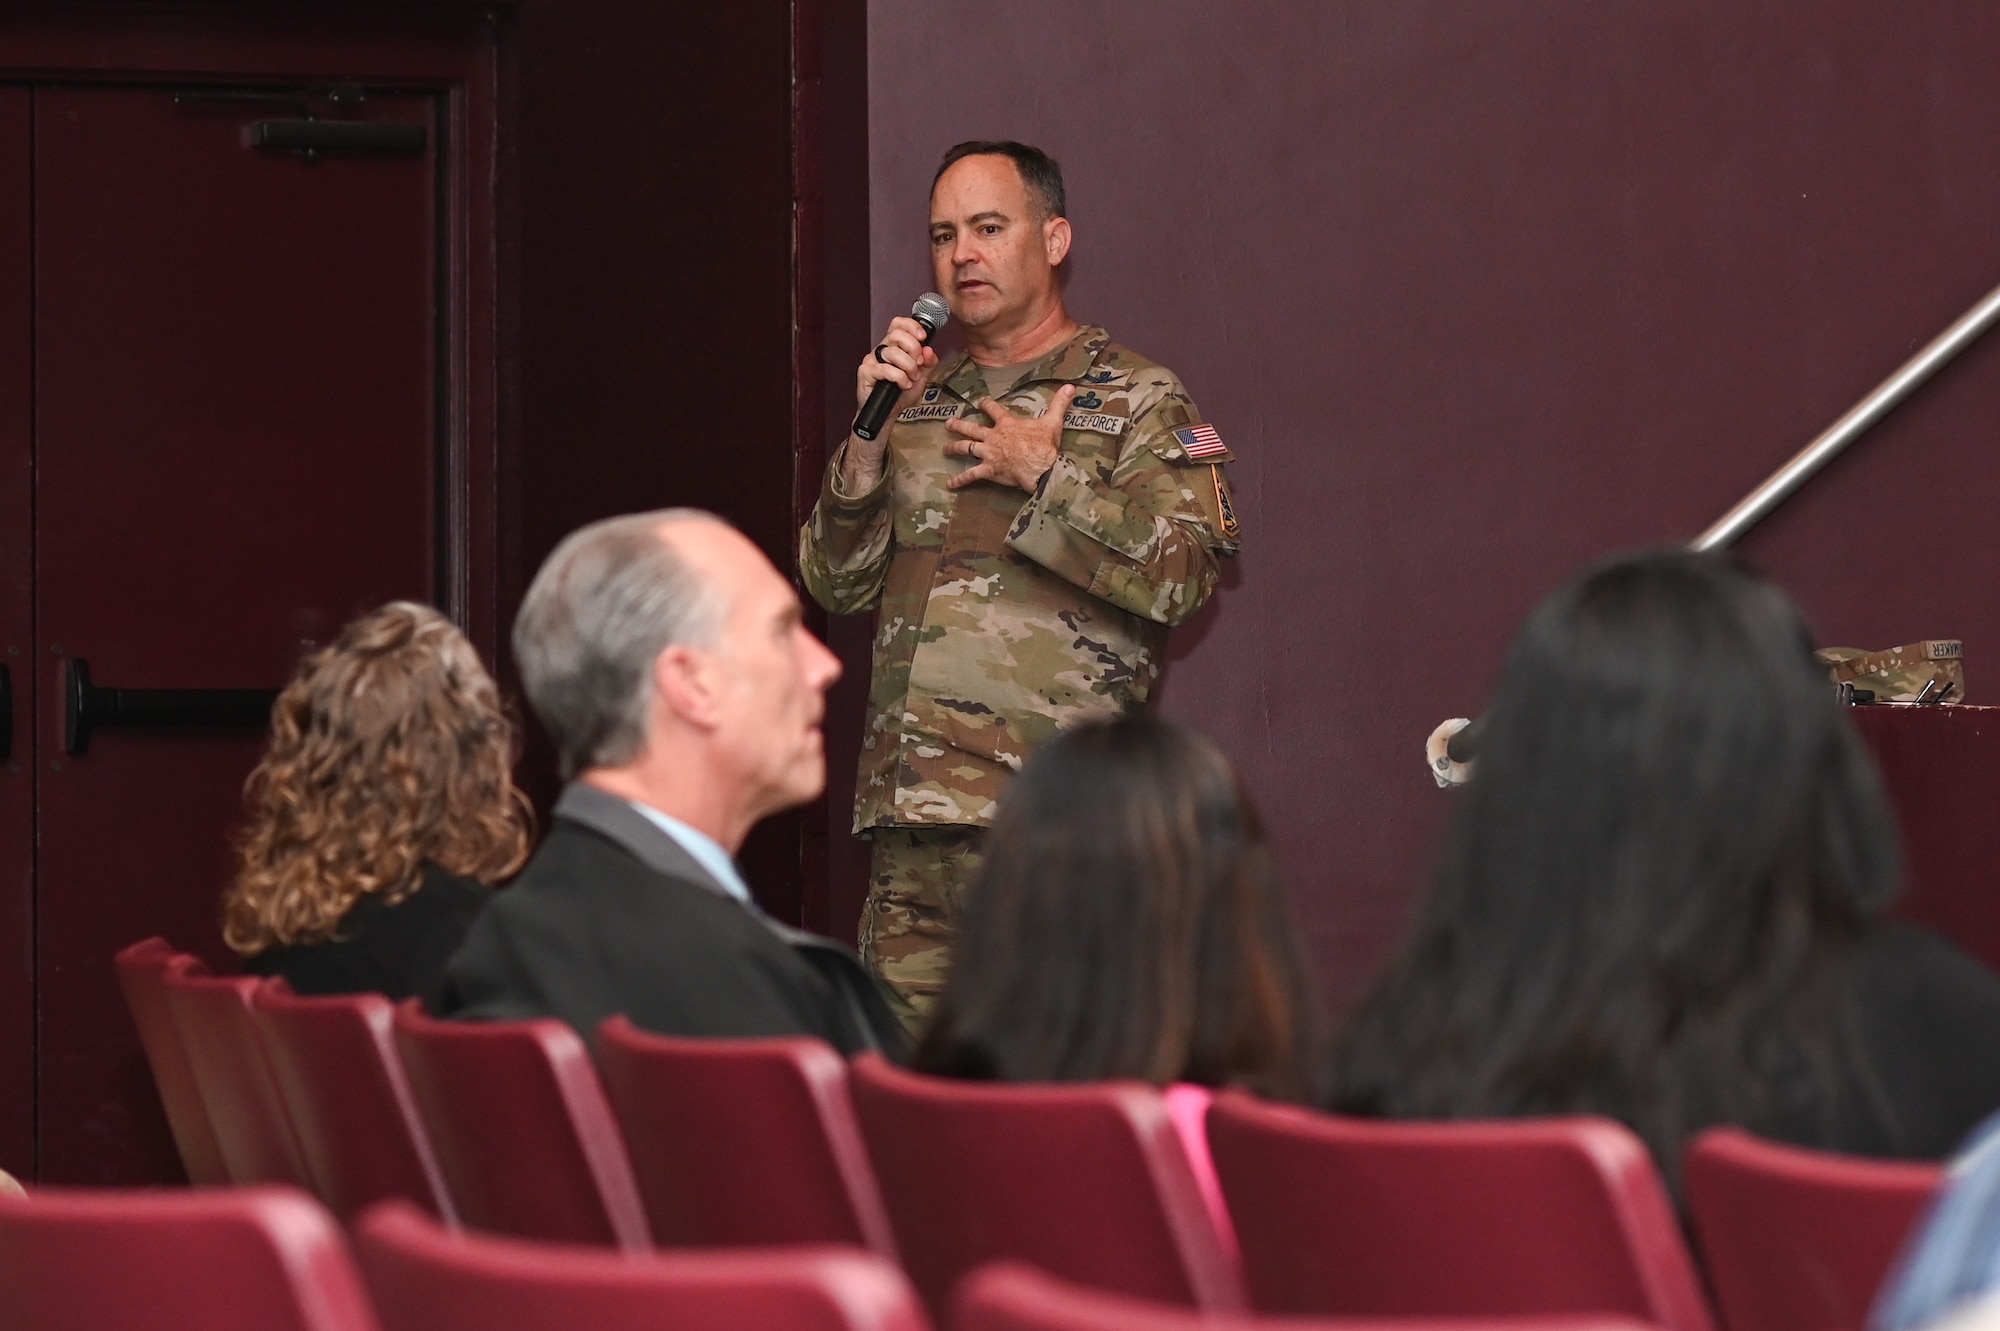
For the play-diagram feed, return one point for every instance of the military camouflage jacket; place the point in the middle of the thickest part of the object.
(1004, 617)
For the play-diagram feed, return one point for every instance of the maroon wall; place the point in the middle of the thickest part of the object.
(830, 331)
(648, 225)
(1477, 292)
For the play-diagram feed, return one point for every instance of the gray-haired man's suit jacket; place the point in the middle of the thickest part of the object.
(613, 916)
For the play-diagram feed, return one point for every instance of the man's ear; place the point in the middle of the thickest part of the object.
(1055, 238)
(686, 682)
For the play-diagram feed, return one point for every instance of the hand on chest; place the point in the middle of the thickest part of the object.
(1004, 442)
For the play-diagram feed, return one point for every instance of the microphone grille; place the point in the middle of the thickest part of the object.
(931, 311)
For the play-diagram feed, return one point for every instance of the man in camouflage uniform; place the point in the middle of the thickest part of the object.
(1041, 509)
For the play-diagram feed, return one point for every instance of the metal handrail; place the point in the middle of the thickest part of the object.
(1780, 484)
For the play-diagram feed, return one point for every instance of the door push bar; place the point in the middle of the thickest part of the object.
(86, 706)
(313, 137)
(308, 134)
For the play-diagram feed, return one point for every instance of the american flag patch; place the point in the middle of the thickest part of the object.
(1200, 441)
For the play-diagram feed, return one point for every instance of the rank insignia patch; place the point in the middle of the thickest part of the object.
(1230, 526)
(1201, 441)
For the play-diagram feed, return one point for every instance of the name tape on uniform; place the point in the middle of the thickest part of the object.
(940, 411)
(1097, 422)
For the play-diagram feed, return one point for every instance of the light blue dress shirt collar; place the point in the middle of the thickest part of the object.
(707, 851)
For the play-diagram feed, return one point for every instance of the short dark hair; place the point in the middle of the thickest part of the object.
(1039, 171)
(1126, 922)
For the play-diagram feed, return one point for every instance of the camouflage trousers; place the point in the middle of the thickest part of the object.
(916, 878)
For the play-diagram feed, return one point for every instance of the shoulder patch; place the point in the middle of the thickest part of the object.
(1201, 442)
(1230, 526)
(933, 411)
(1097, 422)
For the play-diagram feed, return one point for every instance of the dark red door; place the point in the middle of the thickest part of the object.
(235, 448)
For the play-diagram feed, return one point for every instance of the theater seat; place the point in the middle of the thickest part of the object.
(1355, 1217)
(1009, 1296)
(1088, 1181)
(1798, 1240)
(142, 970)
(523, 1136)
(425, 1278)
(253, 1132)
(742, 1142)
(334, 1058)
(216, 1259)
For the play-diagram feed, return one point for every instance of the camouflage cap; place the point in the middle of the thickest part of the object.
(1899, 674)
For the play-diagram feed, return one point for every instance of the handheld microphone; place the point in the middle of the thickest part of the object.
(930, 311)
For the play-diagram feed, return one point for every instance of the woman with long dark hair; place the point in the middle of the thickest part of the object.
(1663, 896)
(1126, 923)
(383, 809)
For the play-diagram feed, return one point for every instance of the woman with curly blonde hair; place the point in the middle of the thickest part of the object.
(381, 813)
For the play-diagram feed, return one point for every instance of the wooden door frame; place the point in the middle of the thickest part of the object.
(830, 330)
(17, 617)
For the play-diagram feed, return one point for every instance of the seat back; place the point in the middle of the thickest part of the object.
(1798, 1240)
(335, 1062)
(212, 1259)
(1088, 1181)
(1009, 1296)
(426, 1278)
(253, 1132)
(521, 1130)
(142, 970)
(742, 1142)
(1364, 1218)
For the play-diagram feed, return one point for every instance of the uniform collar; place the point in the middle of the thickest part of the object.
(1072, 360)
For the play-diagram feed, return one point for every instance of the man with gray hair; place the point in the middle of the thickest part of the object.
(669, 662)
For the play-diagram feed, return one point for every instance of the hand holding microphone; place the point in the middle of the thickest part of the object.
(891, 375)
(890, 378)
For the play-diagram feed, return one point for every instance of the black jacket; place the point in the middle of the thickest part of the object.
(1929, 1021)
(396, 950)
(613, 916)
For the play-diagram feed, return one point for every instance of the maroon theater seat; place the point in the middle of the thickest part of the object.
(1798, 1240)
(427, 1278)
(1088, 1181)
(343, 1086)
(252, 1129)
(523, 1135)
(214, 1259)
(1353, 1217)
(742, 1142)
(142, 970)
(1010, 1296)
